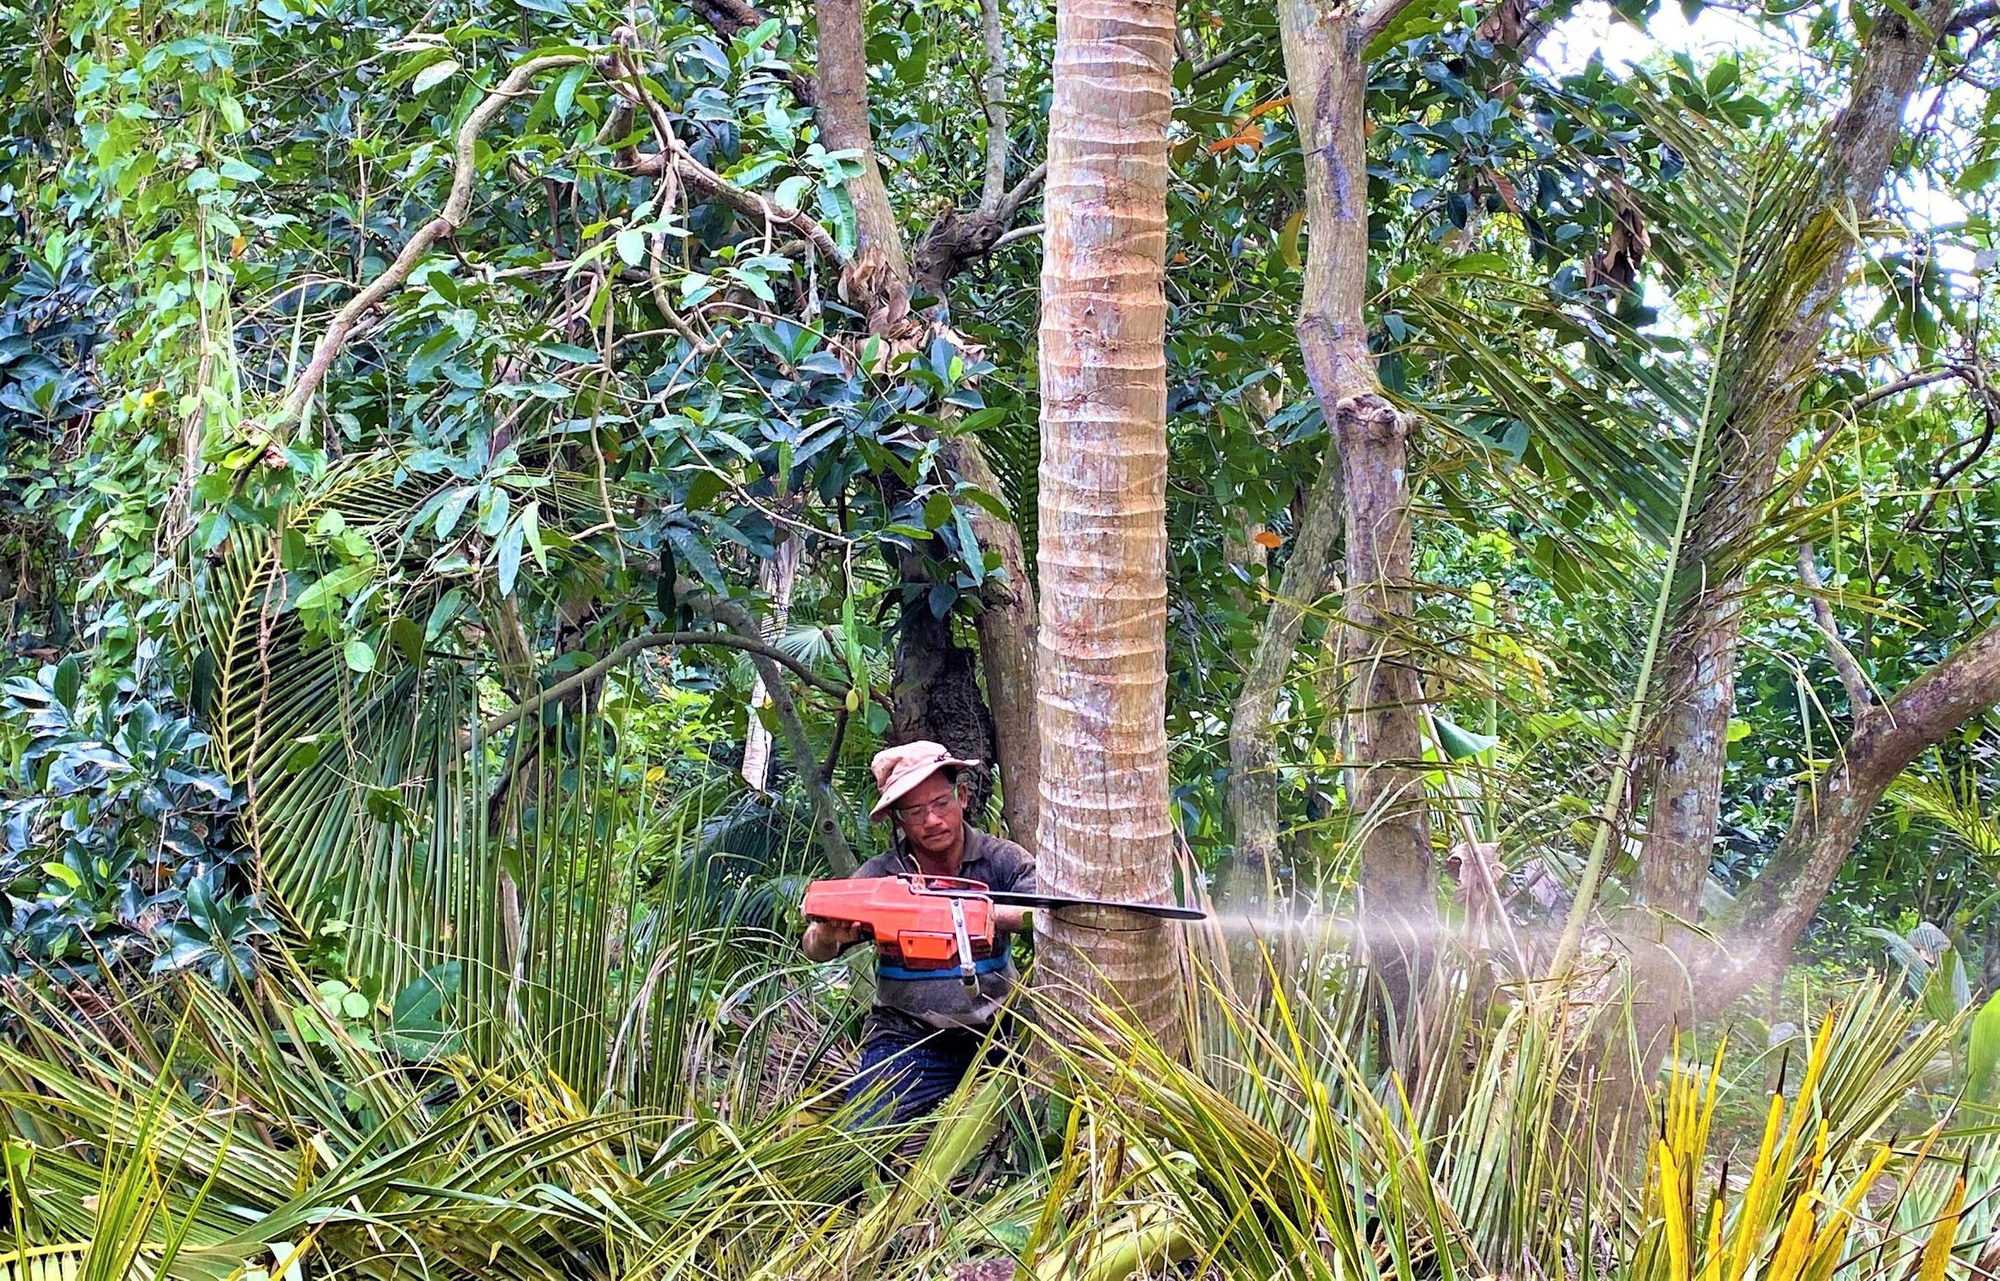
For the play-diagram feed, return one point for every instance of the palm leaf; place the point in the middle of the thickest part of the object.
(1750, 233)
(360, 804)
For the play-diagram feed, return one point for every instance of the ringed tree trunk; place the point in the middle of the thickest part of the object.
(1328, 76)
(1689, 749)
(1106, 830)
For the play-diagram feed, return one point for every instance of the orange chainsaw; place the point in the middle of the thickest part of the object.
(932, 927)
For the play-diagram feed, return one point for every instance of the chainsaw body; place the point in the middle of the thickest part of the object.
(941, 924)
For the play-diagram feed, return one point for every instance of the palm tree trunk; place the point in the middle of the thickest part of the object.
(1101, 673)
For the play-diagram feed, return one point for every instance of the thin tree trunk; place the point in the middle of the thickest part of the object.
(777, 576)
(1106, 830)
(1384, 702)
(1253, 764)
(877, 282)
(1690, 740)
(1006, 628)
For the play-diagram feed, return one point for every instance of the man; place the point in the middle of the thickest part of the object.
(925, 1028)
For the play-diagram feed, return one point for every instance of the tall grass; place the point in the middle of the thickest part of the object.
(184, 1132)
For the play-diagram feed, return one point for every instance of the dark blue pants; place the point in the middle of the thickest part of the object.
(904, 1074)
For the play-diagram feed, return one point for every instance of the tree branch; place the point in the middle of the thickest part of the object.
(1210, 65)
(826, 815)
(1018, 194)
(1859, 696)
(457, 204)
(674, 158)
(1764, 923)
(993, 87)
(1970, 17)
(768, 659)
(655, 640)
(1028, 232)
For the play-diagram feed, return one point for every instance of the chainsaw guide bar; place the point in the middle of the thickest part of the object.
(1052, 902)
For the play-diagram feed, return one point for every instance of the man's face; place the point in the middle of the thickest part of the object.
(931, 814)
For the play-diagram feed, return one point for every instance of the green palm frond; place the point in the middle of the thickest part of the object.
(1749, 232)
(360, 801)
(1953, 803)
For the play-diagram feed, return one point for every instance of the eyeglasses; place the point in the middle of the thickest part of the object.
(942, 805)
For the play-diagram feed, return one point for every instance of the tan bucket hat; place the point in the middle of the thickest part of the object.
(899, 769)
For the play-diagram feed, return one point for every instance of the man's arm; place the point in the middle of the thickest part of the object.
(1010, 920)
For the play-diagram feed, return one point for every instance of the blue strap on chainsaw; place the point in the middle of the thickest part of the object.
(885, 970)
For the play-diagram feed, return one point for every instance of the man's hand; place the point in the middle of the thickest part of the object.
(826, 939)
(1011, 920)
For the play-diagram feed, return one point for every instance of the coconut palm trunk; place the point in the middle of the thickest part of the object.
(1105, 829)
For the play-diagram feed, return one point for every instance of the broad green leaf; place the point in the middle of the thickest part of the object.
(509, 563)
(433, 75)
(632, 246)
(566, 89)
(1982, 1051)
(1461, 744)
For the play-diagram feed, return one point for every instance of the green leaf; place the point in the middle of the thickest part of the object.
(1982, 1051)
(792, 192)
(325, 592)
(632, 246)
(240, 171)
(434, 75)
(68, 681)
(531, 526)
(360, 655)
(1460, 744)
(566, 89)
(968, 547)
(453, 508)
(511, 544)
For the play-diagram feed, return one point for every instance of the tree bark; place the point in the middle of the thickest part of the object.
(1006, 629)
(877, 283)
(936, 690)
(1384, 703)
(1690, 740)
(1764, 924)
(1253, 764)
(1101, 671)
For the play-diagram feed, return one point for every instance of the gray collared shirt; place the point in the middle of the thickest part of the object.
(943, 1002)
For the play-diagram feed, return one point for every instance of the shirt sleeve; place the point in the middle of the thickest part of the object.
(877, 866)
(1020, 866)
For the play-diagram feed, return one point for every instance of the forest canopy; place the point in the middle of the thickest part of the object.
(1506, 529)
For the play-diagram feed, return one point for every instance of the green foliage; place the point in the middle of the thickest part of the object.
(117, 834)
